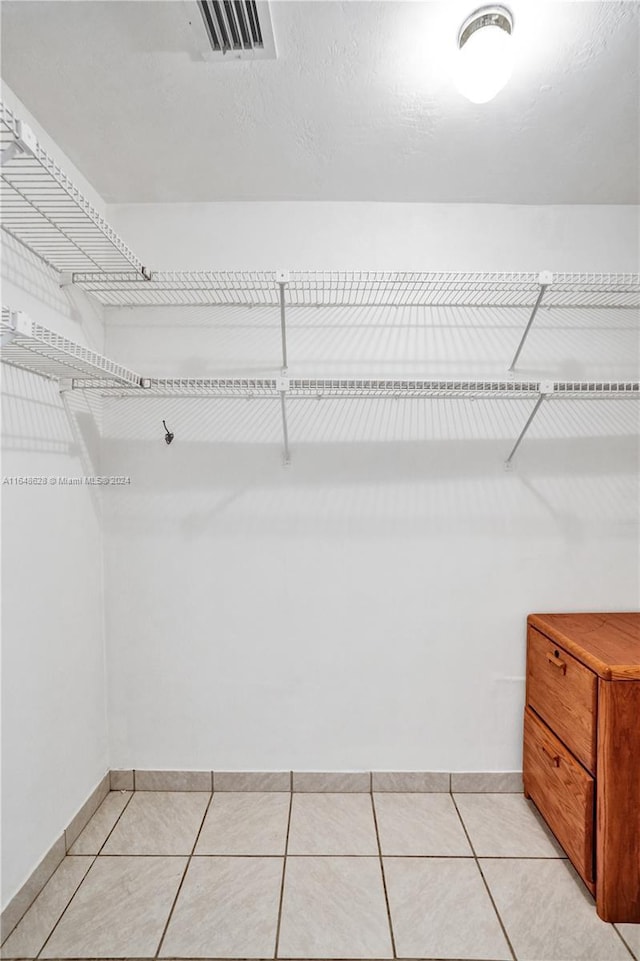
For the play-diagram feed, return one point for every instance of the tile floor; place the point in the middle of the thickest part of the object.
(274, 875)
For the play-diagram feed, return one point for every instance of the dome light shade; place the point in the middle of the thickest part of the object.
(485, 55)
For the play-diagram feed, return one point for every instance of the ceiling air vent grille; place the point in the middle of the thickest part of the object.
(238, 29)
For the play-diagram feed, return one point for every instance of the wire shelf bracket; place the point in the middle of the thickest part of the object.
(546, 279)
(286, 456)
(546, 390)
(283, 280)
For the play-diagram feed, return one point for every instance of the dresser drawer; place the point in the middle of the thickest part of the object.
(562, 791)
(564, 693)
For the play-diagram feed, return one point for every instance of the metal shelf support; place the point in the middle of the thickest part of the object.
(9, 153)
(546, 390)
(546, 279)
(282, 277)
(24, 142)
(14, 323)
(286, 455)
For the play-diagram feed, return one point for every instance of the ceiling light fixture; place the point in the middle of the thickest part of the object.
(485, 55)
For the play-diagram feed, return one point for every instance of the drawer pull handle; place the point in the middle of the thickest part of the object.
(555, 660)
(554, 758)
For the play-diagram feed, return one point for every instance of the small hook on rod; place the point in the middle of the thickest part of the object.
(168, 435)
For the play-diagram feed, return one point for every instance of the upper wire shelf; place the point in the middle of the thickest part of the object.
(460, 289)
(359, 289)
(181, 289)
(46, 213)
(37, 349)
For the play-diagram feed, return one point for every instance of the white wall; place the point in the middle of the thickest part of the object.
(54, 728)
(380, 236)
(365, 606)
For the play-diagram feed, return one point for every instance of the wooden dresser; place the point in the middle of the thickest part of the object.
(581, 762)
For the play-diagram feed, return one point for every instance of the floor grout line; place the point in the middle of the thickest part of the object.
(423, 857)
(95, 858)
(184, 874)
(284, 871)
(117, 821)
(384, 880)
(622, 938)
(484, 881)
(49, 936)
(42, 947)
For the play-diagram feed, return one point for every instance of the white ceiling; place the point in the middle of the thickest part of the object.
(359, 105)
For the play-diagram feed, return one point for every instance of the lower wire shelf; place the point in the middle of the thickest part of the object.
(30, 346)
(318, 388)
(41, 351)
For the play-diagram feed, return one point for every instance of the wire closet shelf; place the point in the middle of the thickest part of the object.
(321, 388)
(34, 348)
(359, 289)
(45, 212)
(38, 350)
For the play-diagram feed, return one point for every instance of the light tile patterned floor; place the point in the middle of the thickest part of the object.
(466, 877)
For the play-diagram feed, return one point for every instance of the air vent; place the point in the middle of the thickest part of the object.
(234, 29)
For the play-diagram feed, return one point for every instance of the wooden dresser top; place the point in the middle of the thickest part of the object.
(609, 644)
